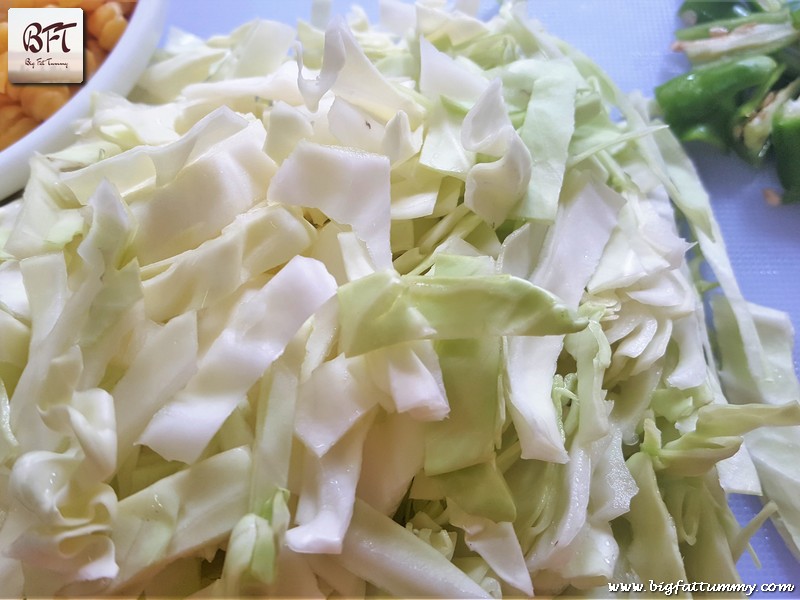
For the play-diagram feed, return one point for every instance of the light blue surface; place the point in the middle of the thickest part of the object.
(631, 40)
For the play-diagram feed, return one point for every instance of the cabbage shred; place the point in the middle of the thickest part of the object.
(378, 309)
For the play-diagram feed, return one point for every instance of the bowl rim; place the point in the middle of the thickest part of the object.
(117, 74)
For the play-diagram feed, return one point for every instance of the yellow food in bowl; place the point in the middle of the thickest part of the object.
(24, 106)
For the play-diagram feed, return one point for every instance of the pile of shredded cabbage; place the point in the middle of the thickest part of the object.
(378, 310)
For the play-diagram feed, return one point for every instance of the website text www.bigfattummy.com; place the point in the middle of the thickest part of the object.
(668, 588)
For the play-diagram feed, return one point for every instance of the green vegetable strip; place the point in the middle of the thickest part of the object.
(471, 369)
(654, 551)
(547, 130)
(179, 515)
(384, 309)
(383, 552)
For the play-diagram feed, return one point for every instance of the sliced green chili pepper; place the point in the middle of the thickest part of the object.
(789, 58)
(704, 103)
(693, 12)
(744, 97)
(767, 5)
(756, 133)
(706, 29)
(754, 148)
(786, 144)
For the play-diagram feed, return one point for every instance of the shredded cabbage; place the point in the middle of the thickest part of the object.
(379, 309)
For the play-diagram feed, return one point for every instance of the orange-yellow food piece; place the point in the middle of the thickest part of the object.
(127, 6)
(92, 58)
(4, 73)
(107, 24)
(10, 115)
(6, 4)
(14, 124)
(12, 91)
(41, 101)
(4, 36)
(86, 5)
(16, 130)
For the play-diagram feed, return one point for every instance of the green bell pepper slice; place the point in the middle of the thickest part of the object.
(786, 145)
(704, 104)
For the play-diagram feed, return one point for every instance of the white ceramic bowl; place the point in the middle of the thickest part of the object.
(118, 73)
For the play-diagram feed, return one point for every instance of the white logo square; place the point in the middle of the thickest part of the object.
(45, 45)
